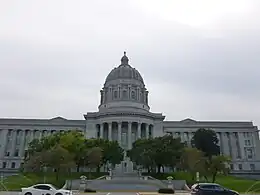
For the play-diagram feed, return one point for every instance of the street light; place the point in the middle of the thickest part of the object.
(44, 171)
(83, 182)
(170, 185)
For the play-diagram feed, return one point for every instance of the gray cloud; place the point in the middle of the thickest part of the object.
(55, 57)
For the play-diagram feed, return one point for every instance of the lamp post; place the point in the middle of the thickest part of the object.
(170, 184)
(197, 176)
(44, 172)
(83, 183)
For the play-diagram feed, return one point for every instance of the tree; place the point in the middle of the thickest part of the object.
(74, 142)
(206, 140)
(59, 159)
(142, 153)
(94, 158)
(112, 152)
(36, 161)
(191, 160)
(167, 151)
(218, 164)
(157, 152)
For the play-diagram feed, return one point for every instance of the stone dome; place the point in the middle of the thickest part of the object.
(124, 71)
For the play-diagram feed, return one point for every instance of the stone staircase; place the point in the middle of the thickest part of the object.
(126, 182)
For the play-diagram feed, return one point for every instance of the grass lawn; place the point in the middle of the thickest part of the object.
(234, 183)
(16, 182)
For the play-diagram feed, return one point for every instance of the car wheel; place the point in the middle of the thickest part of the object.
(58, 193)
(28, 193)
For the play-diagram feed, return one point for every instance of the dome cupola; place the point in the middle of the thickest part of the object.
(124, 88)
(124, 71)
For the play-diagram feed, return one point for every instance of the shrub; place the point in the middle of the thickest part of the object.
(166, 191)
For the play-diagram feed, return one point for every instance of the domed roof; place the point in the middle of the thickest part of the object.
(124, 71)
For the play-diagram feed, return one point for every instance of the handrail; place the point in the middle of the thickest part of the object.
(152, 178)
(102, 177)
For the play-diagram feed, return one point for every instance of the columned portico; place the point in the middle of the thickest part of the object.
(128, 130)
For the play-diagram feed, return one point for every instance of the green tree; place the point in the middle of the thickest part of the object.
(191, 160)
(112, 152)
(59, 159)
(206, 140)
(167, 151)
(74, 142)
(95, 156)
(36, 161)
(218, 164)
(142, 153)
(156, 152)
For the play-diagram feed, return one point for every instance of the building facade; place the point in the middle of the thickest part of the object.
(124, 115)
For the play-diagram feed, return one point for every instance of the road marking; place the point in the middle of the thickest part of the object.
(108, 193)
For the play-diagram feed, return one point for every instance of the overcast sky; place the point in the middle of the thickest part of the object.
(199, 59)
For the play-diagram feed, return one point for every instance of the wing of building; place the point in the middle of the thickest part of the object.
(124, 115)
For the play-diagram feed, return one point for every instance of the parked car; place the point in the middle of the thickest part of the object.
(211, 189)
(44, 189)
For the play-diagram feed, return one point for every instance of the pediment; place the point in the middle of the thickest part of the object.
(188, 121)
(58, 119)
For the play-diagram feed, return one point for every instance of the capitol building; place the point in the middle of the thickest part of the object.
(124, 115)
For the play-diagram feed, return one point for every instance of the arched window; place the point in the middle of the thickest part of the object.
(133, 95)
(115, 94)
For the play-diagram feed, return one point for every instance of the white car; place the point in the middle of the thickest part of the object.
(44, 189)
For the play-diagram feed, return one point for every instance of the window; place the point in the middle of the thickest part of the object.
(252, 167)
(4, 165)
(115, 94)
(207, 187)
(7, 153)
(247, 142)
(13, 165)
(16, 153)
(240, 167)
(133, 95)
(249, 153)
(246, 134)
(42, 187)
(98, 134)
(231, 166)
(219, 188)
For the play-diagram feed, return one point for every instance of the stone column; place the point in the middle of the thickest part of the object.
(110, 131)
(119, 132)
(139, 131)
(97, 129)
(102, 130)
(152, 129)
(3, 142)
(129, 135)
(22, 148)
(241, 143)
(147, 131)
(13, 142)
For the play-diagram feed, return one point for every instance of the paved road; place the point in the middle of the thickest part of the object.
(103, 193)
